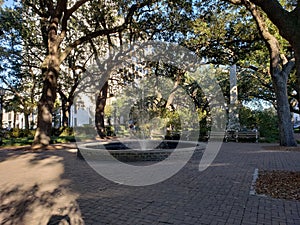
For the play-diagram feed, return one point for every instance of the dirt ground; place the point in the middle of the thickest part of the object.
(279, 184)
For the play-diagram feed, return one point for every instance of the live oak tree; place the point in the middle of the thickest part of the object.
(286, 16)
(280, 65)
(54, 19)
(18, 64)
(79, 60)
(68, 26)
(71, 73)
(150, 23)
(223, 35)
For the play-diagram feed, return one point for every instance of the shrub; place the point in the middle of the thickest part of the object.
(265, 120)
(20, 133)
(68, 131)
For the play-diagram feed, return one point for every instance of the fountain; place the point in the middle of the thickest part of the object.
(134, 150)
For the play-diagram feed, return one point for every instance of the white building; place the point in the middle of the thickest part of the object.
(17, 120)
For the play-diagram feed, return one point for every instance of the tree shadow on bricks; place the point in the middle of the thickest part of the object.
(32, 191)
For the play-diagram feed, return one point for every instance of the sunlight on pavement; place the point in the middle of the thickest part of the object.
(33, 192)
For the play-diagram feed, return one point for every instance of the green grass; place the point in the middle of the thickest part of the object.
(62, 139)
(28, 140)
(17, 141)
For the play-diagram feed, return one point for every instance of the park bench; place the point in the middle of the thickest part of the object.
(247, 134)
(157, 134)
(235, 135)
(218, 135)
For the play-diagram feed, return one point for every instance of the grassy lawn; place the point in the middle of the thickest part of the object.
(17, 141)
(28, 140)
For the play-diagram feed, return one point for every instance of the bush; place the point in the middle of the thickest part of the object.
(68, 131)
(20, 133)
(266, 121)
(62, 139)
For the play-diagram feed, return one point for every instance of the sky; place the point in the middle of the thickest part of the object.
(8, 2)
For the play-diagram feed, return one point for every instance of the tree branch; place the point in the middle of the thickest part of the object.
(67, 14)
(102, 32)
(50, 5)
(61, 11)
(271, 42)
(288, 66)
(75, 7)
(12, 89)
(275, 13)
(35, 9)
(235, 2)
(274, 10)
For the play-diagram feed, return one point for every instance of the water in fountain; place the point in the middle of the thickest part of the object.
(145, 143)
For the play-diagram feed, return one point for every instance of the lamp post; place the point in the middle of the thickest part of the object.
(2, 93)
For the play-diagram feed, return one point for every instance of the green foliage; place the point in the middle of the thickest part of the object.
(17, 137)
(17, 62)
(223, 33)
(266, 121)
(62, 139)
(68, 131)
(18, 141)
(216, 31)
(108, 111)
(20, 133)
(173, 120)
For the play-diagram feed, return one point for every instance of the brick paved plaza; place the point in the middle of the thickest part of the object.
(55, 187)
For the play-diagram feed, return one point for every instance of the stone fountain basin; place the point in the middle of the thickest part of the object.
(136, 150)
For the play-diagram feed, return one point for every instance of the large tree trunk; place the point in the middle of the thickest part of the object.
(50, 71)
(173, 92)
(286, 134)
(66, 115)
(67, 102)
(26, 116)
(66, 109)
(100, 106)
(45, 109)
(280, 69)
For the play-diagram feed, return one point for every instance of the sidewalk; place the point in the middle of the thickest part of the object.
(54, 186)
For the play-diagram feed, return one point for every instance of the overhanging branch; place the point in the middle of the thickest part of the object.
(103, 32)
